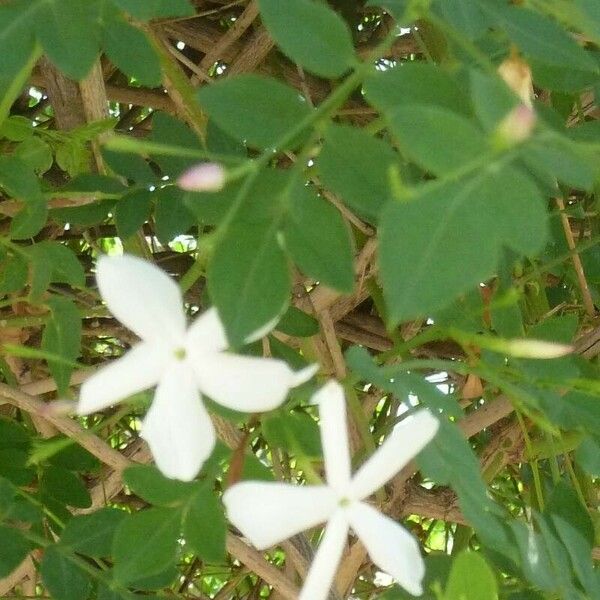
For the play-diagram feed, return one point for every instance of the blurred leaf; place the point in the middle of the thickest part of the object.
(204, 525)
(471, 578)
(62, 577)
(64, 486)
(172, 215)
(62, 337)
(92, 534)
(130, 50)
(148, 483)
(13, 549)
(415, 83)
(436, 139)
(156, 9)
(311, 34)
(131, 212)
(319, 240)
(357, 166)
(145, 544)
(238, 106)
(425, 242)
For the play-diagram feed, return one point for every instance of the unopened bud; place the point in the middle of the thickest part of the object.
(517, 76)
(517, 125)
(205, 177)
(537, 349)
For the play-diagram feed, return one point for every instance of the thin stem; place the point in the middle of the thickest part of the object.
(537, 482)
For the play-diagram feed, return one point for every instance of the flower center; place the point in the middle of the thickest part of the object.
(344, 502)
(180, 353)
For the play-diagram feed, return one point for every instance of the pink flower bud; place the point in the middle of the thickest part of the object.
(517, 76)
(517, 125)
(205, 177)
(537, 349)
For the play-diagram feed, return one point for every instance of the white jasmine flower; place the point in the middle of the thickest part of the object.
(268, 513)
(182, 362)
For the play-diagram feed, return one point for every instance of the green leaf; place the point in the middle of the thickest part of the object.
(16, 33)
(249, 279)
(295, 432)
(297, 323)
(239, 106)
(131, 166)
(588, 456)
(62, 577)
(13, 274)
(426, 242)
(171, 214)
(319, 240)
(169, 131)
(18, 179)
(35, 153)
(64, 486)
(69, 32)
(155, 9)
(92, 534)
(540, 38)
(17, 21)
(29, 221)
(145, 544)
(311, 34)
(13, 549)
(415, 84)
(62, 337)
(13, 434)
(471, 578)
(438, 140)
(131, 212)
(465, 15)
(68, 455)
(204, 526)
(64, 266)
(21, 183)
(15, 128)
(357, 166)
(148, 483)
(575, 529)
(129, 49)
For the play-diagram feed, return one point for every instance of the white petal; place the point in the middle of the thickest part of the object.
(177, 427)
(206, 333)
(334, 434)
(137, 370)
(304, 375)
(142, 297)
(244, 383)
(268, 513)
(406, 441)
(322, 570)
(393, 549)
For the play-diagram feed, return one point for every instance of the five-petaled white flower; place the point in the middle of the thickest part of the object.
(268, 513)
(182, 361)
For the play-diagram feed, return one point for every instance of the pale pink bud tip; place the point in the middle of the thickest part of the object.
(518, 124)
(537, 349)
(205, 177)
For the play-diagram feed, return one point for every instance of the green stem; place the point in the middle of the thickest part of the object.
(537, 482)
